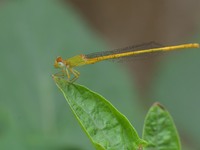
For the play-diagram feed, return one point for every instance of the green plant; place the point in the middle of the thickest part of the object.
(108, 129)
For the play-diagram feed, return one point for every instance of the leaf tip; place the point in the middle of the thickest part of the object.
(157, 104)
(53, 76)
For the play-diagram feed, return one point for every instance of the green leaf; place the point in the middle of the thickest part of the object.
(159, 130)
(106, 127)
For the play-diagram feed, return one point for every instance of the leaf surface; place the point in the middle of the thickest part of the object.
(106, 127)
(159, 130)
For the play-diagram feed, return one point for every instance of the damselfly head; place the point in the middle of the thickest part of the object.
(59, 63)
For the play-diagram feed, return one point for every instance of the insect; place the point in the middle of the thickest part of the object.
(67, 66)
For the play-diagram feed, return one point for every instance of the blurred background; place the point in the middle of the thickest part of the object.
(34, 113)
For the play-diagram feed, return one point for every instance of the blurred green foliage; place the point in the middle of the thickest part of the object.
(33, 113)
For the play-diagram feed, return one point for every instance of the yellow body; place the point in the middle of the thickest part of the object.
(80, 60)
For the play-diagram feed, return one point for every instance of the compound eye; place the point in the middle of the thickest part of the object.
(61, 64)
(59, 59)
